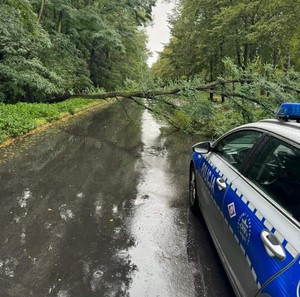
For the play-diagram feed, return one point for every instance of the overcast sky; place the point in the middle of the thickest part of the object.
(159, 32)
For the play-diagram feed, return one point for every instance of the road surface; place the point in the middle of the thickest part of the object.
(99, 207)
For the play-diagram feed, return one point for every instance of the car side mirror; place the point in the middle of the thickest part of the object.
(202, 147)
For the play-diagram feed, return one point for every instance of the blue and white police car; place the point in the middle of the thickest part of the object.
(247, 186)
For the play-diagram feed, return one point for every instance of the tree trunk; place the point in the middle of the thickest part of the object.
(42, 8)
(238, 54)
(274, 59)
(91, 63)
(59, 23)
(211, 95)
(246, 52)
(287, 64)
(222, 67)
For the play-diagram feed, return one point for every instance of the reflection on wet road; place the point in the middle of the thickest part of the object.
(157, 227)
(99, 207)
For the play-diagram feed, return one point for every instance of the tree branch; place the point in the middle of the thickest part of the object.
(152, 94)
(209, 88)
(121, 103)
(289, 88)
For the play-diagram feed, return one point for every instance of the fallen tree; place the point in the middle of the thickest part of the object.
(215, 107)
(211, 88)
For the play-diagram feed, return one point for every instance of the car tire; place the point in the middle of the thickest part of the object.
(193, 196)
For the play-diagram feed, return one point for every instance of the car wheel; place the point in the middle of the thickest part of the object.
(193, 197)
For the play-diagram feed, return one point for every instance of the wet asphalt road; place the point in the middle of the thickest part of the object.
(99, 207)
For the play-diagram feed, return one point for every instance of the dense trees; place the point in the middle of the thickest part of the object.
(48, 48)
(204, 32)
(247, 50)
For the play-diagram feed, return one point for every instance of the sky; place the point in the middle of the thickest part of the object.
(159, 32)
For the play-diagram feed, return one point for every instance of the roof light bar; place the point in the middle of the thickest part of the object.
(289, 111)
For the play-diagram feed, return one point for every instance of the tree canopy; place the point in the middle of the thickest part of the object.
(48, 48)
(205, 32)
(243, 53)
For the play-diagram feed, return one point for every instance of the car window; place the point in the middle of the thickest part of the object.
(277, 172)
(235, 147)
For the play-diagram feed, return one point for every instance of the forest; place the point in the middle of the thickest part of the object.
(228, 61)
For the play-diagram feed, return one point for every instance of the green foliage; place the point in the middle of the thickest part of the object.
(163, 68)
(248, 95)
(51, 48)
(188, 111)
(255, 43)
(205, 32)
(22, 73)
(269, 86)
(18, 119)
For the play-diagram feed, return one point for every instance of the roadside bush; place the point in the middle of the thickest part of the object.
(18, 119)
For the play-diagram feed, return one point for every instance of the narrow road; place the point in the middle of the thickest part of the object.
(99, 207)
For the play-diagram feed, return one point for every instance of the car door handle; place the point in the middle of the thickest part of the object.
(272, 245)
(221, 184)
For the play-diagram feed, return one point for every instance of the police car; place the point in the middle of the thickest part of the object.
(247, 186)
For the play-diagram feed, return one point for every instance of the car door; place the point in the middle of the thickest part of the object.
(263, 229)
(217, 170)
(287, 283)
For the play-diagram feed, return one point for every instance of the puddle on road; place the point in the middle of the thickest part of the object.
(160, 250)
(65, 213)
(23, 199)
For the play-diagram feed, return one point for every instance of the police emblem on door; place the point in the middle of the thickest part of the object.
(244, 228)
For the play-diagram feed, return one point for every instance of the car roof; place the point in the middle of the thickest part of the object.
(287, 129)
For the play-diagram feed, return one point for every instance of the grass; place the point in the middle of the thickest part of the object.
(18, 119)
